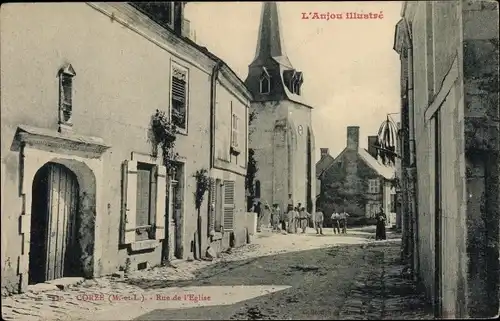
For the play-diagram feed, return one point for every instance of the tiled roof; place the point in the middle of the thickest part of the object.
(388, 172)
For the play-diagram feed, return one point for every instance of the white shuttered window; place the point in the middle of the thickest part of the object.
(228, 218)
(143, 202)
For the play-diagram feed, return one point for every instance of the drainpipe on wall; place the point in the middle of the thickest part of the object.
(213, 103)
(412, 170)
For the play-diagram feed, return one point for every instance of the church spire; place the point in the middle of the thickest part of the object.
(270, 43)
(271, 76)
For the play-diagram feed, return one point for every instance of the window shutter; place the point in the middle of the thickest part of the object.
(161, 195)
(211, 211)
(234, 130)
(178, 89)
(228, 205)
(129, 200)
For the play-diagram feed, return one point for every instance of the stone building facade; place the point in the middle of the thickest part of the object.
(450, 152)
(87, 195)
(356, 181)
(281, 134)
(325, 160)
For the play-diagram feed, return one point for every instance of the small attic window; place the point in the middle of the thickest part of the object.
(297, 83)
(291, 86)
(265, 82)
(66, 75)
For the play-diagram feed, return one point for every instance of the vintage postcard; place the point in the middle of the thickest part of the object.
(250, 160)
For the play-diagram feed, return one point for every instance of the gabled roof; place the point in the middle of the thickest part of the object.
(323, 164)
(387, 172)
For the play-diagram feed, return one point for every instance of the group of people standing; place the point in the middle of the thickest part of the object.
(339, 222)
(295, 218)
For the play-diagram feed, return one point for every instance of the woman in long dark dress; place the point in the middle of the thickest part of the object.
(380, 231)
(258, 209)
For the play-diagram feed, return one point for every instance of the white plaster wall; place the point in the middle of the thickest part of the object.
(121, 79)
(226, 104)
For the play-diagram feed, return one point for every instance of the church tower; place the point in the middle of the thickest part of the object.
(281, 133)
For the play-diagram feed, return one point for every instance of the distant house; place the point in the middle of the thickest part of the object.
(355, 181)
(324, 163)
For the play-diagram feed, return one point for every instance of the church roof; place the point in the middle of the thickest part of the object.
(270, 43)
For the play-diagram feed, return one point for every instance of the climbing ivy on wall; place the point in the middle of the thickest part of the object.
(202, 186)
(252, 163)
(340, 191)
(162, 134)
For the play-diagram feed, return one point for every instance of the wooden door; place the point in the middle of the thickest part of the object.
(62, 229)
(54, 240)
(176, 211)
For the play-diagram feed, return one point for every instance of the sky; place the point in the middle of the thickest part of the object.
(351, 72)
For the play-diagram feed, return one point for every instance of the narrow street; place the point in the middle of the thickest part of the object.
(277, 277)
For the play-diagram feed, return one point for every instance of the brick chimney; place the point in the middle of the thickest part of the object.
(178, 17)
(186, 29)
(324, 152)
(353, 137)
(371, 146)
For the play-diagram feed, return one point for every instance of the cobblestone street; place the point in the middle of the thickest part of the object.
(277, 277)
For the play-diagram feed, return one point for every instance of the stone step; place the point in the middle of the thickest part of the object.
(64, 283)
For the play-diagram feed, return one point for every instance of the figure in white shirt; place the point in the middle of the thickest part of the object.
(336, 222)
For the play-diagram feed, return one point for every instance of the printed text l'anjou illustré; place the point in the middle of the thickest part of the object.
(342, 15)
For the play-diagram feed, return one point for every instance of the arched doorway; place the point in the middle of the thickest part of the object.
(257, 189)
(54, 250)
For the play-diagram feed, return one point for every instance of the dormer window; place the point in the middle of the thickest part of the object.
(297, 83)
(292, 82)
(265, 82)
(169, 13)
(163, 13)
(296, 87)
(66, 75)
